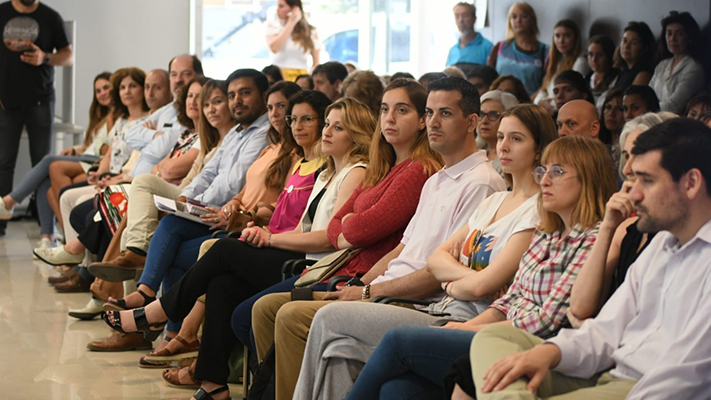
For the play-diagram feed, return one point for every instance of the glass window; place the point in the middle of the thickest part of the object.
(385, 36)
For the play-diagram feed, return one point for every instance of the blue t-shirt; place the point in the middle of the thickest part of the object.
(526, 67)
(476, 51)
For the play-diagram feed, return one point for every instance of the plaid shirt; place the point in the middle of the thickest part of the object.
(539, 295)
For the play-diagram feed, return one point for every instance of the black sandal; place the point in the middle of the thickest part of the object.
(142, 324)
(120, 304)
(201, 394)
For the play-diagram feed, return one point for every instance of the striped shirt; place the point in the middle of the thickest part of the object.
(539, 295)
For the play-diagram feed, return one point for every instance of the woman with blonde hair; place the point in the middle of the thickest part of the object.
(576, 179)
(521, 54)
(292, 39)
(232, 271)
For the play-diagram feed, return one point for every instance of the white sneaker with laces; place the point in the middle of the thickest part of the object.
(5, 214)
(45, 243)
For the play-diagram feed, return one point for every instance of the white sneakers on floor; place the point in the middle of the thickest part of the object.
(58, 256)
(45, 243)
(5, 214)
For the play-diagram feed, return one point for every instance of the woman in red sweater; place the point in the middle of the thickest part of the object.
(374, 217)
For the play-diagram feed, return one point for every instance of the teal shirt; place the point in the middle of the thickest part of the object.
(476, 51)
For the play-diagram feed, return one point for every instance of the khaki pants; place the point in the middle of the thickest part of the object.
(497, 341)
(142, 213)
(284, 323)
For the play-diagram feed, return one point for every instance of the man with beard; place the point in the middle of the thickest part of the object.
(652, 335)
(35, 41)
(224, 175)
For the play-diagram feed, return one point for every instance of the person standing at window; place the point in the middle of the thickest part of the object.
(471, 46)
(291, 39)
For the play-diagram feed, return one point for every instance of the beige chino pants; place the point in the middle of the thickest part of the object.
(497, 341)
(142, 217)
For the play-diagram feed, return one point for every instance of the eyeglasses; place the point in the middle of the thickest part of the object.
(555, 173)
(492, 115)
(306, 120)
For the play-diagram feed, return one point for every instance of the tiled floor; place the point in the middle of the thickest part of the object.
(43, 351)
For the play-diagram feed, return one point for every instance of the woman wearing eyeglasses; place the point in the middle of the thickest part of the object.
(493, 104)
(232, 271)
(576, 179)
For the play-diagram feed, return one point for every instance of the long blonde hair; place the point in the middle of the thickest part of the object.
(382, 153)
(303, 30)
(525, 7)
(596, 175)
(359, 123)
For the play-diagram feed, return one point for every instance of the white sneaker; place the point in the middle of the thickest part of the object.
(58, 256)
(45, 243)
(90, 310)
(5, 214)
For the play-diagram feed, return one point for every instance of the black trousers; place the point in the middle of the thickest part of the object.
(229, 273)
(38, 120)
(95, 236)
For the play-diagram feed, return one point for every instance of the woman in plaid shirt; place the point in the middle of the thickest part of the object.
(576, 179)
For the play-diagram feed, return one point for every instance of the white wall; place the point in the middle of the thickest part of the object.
(115, 34)
(598, 16)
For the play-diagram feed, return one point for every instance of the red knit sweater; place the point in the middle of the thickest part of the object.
(380, 215)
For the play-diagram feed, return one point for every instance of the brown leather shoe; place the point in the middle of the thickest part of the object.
(75, 284)
(121, 342)
(122, 268)
(53, 280)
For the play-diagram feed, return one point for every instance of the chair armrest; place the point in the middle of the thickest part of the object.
(390, 300)
(335, 280)
(292, 267)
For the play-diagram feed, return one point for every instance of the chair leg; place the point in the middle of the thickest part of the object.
(246, 376)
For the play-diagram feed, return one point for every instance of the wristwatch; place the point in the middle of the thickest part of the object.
(365, 294)
(46, 59)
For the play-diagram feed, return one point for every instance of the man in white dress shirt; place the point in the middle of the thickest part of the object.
(653, 334)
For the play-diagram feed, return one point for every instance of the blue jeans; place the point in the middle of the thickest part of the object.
(173, 250)
(242, 315)
(38, 119)
(38, 180)
(410, 363)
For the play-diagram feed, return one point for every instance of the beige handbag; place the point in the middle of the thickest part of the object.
(325, 267)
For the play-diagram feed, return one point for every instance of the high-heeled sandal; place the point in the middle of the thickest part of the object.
(201, 394)
(142, 324)
(120, 304)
